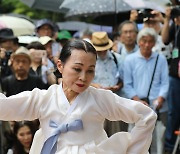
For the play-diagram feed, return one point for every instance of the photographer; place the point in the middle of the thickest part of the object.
(8, 45)
(156, 21)
(171, 33)
(153, 19)
(4, 67)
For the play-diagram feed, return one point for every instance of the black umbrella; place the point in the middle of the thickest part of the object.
(50, 5)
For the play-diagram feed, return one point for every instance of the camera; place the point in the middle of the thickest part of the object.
(145, 13)
(175, 12)
(8, 54)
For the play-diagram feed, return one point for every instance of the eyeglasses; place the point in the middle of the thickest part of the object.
(128, 31)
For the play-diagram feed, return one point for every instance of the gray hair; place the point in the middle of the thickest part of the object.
(147, 32)
(86, 31)
(126, 22)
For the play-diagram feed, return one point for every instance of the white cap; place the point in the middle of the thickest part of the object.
(45, 39)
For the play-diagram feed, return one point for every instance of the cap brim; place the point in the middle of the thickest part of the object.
(8, 37)
(45, 41)
(65, 37)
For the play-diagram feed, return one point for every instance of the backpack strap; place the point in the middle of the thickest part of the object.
(115, 59)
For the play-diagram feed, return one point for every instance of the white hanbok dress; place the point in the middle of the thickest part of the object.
(91, 106)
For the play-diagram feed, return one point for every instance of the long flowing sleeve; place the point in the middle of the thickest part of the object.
(23, 106)
(118, 108)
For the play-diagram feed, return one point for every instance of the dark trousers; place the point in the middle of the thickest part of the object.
(112, 127)
(173, 113)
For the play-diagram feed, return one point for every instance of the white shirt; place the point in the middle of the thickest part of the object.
(91, 106)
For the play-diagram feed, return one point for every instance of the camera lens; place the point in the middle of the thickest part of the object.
(8, 54)
(145, 13)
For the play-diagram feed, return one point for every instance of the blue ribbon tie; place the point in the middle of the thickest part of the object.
(50, 145)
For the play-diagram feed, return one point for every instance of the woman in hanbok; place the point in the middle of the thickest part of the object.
(72, 113)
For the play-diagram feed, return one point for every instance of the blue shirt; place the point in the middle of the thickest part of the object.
(106, 71)
(138, 74)
(124, 53)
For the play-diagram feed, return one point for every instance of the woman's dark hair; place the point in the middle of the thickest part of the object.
(75, 44)
(18, 147)
(71, 45)
(35, 45)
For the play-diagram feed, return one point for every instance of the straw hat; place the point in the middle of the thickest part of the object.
(101, 41)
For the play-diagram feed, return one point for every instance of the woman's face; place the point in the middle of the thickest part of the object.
(36, 55)
(24, 136)
(78, 71)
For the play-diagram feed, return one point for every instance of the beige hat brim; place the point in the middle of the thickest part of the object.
(103, 48)
(21, 54)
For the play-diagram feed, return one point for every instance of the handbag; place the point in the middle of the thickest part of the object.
(146, 99)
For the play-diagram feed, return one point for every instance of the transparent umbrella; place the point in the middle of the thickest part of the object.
(93, 7)
(20, 26)
(101, 7)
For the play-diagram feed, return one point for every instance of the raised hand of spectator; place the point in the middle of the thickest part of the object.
(158, 16)
(2, 53)
(168, 12)
(133, 15)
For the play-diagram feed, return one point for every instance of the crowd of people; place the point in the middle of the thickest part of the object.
(142, 66)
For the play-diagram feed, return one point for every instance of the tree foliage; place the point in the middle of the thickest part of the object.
(17, 7)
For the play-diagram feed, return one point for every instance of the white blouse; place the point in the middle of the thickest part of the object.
(92, 106)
